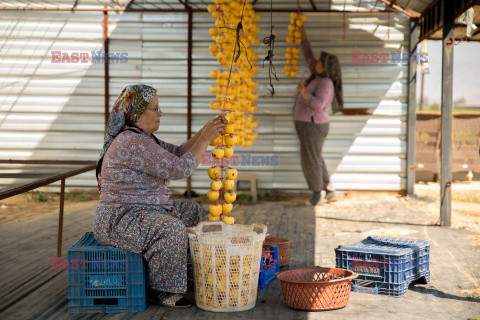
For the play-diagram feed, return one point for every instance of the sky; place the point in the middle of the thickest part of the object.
(466, 72)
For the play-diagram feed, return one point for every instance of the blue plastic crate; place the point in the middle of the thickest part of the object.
(385, 265)
(268, 274)
(104, 278)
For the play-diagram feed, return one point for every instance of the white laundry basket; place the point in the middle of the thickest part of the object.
(226, 262)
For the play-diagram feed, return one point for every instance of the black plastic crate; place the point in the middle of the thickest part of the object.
(385, 265)
(104, 278)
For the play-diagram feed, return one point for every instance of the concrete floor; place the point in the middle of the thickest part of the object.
(31, 289)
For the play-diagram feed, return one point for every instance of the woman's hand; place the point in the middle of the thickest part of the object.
(199, 143)
(213, 128)
(191, 142)
(301, 90)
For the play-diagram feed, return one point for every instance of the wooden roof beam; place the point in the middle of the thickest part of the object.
(395, 7)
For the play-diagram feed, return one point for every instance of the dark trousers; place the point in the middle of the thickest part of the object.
(312, 137)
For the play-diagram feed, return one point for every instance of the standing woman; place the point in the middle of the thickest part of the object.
(322, 90)
(135, 211)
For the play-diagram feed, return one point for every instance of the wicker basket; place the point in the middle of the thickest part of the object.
(316, 289)
(226, 263)
(283, 248)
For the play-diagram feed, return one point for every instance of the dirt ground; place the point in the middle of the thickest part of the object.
(453, 293)
(465, 203)
(24, 207)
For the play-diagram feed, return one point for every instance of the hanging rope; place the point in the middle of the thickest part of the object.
(238, 42)
(270, 42)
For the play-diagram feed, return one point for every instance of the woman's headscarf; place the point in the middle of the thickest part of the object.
(128, 108)
(331, 65)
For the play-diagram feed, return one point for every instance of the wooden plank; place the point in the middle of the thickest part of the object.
(11, 190)
(447, 106)
(30, 289)
(26, 252)
(47, 162)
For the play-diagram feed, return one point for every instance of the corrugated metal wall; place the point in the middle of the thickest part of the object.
(158, 43)
(53, 111)
(362, 152)
(50, 110)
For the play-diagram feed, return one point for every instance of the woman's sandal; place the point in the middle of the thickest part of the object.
(166, 299)
(177, 300)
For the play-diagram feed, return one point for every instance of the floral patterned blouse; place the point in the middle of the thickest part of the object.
(136, 170)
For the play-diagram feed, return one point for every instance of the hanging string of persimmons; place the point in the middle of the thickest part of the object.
(233, 34)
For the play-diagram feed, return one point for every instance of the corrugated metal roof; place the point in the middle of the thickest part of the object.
(461, 27)
(413, 6)
(429, 12)
(62, 4)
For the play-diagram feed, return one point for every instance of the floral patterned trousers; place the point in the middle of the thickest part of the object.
(158, 234)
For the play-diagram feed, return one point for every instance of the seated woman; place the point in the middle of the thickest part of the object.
(135, 211)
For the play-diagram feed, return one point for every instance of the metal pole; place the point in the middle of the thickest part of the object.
(189, 89)
(60, 219)
(107, 75)
(421, 90)
(447, 104)
(412, 113)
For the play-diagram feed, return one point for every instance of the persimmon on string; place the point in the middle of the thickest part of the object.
(294, 36)
(233, 34)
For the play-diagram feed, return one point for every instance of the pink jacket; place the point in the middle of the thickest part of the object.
(320, 91)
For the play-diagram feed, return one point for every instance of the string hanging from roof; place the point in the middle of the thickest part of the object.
(234, 94)
(270, 42)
